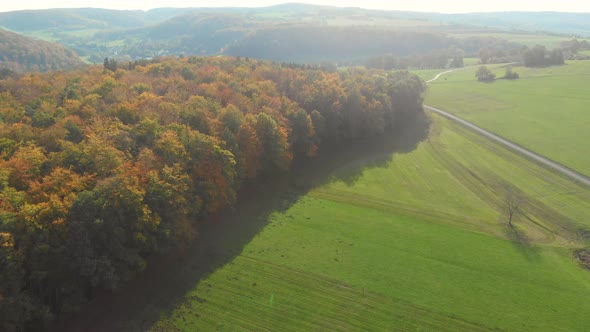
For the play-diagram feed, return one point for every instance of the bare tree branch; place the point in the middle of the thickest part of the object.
(512, 202)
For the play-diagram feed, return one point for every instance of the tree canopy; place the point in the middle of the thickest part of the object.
(100, 168)
(483, 74)
(538, 56)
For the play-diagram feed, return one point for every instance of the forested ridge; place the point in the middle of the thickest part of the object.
(291, 32)
(101, 167)
(19, 53)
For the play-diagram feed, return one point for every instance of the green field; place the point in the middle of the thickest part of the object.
(471, 61)
(405, 241)
(546, 110)
(427, 74)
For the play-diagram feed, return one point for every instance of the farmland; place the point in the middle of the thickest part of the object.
(270, 169)
(415, 241)
(545, 110)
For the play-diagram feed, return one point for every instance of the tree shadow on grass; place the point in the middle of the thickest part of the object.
(137, 305)
(522, 243)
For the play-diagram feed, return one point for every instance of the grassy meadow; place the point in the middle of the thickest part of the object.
(546, 110)
(414, 241)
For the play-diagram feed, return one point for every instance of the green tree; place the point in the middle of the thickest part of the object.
(110, 64)
(302, 137)
(170, 148)
(230, 117)
(457, 62)
(74, 133)
(510, 74)
(405, 91)
(319, 125)
(483, 74)
(273, 141)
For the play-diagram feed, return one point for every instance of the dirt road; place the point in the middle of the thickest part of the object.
(513, 146)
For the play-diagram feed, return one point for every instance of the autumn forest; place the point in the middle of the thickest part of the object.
(104, 166)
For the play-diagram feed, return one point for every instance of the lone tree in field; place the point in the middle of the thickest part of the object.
(512, 205)
(483, 74)
(510, 74)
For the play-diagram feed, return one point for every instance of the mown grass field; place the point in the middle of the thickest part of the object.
(546, 110)
(416, 241)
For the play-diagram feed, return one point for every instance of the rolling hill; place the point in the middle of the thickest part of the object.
(127, 35)
(19, 54)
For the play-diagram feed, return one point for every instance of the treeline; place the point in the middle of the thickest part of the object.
(487, 49)
(572, 49)
(21, 54)
(102, 167)
(338, 44)
(538, 56)
(452, 58)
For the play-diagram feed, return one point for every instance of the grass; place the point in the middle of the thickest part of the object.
(82, 33)
(413, 242)
(471, 61)
(545, 110)
(426, 74)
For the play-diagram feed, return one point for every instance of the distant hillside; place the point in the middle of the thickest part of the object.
(264, 32)
(552, 22)
(79, 19)
(356, 45)
(192, 34)
(315, 43)
(19, 53)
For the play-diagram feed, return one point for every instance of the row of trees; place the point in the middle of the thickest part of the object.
(100, 168)
(491, 51)
(538, 56)
(483, 74)
(452, 58)
(574, 46)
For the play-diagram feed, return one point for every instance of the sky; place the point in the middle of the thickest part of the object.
(445, 6)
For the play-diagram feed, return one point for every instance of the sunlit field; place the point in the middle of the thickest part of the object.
(416, 243)
(546, 110)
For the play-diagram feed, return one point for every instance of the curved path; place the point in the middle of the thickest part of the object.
(511, 145)
(440, 74)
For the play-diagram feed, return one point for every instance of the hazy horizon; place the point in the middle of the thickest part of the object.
(450, 6)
